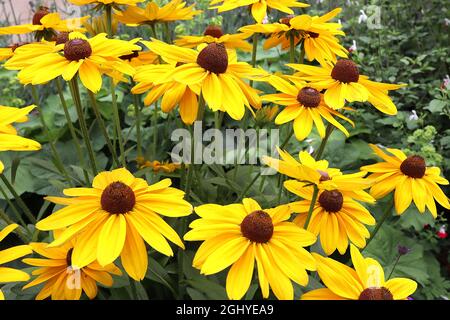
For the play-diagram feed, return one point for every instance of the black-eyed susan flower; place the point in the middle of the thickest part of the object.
(157, 166)
(411, 179)
(114, 217)
(305, 106)
(258, 7)
(214, 33)
(237, 235)
(218, 73)
(336, 217)
(152, 13)
(342, 82)
(316, 33)
(27, 53)
(10, 254)
(83, 56)
(61, 279)
(45, 25)
(365, 282)
(9, 140)
(173, 92)
(310, 171)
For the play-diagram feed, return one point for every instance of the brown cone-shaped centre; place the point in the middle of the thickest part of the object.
(118, 198)
(345, 71)
(39, 14)
(287, 20)
(69, 257)
(376, 294)
(331, 201)
(414, 167)
(324, 176)
(77, 49)
(62, 37)
(214, 58)
(309, 97)
(257, 227)
(128, 57)
(213, 31)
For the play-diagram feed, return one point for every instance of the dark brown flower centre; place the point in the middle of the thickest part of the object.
(69, 257)
(214, 58)
(257, 227)
(376, 294)
(324, 176)
(118, 198)
(345, 71)
(39, 14)
(128, 57)
(62, 37)
(313, 35)
(309, 97)
(414, 167)
(213, 31)
(331, 201)
(77, 49)
(287, 20)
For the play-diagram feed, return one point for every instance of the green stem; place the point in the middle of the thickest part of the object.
(109, 20)
(311, 207)
(72, 130)
(191, 164)
(167, 32)
(301, 59)
(254, 53)
(58, 162)
(321, 149)
(137, 110)
(117, 123)
(155, 130)
(8, 220)
(291, 48)
(393, 267)
(14, 209)
(18, 199)
(244, 192)
(74, 90)
(102, 126)
(386, 214)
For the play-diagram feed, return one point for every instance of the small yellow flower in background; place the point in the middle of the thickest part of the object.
(317, 34)
(214, 33)
(411, 179)
(99, 24)
(336, 217)
(114, 217)
(266, 115)
(218, 73)
(87, 57)
(9, 140)
(305, 106)
(106, 2)
(317, 172)
(63, 280)
(343, 82)
(45, 24)
(151, 14)
(259, 7)
(157, 166)
(365, 282)
(10, 254)
(237, 235)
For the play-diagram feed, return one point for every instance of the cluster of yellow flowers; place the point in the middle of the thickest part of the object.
(117, 214)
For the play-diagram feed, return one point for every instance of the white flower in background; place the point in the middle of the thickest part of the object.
(266, 20)
(447, 22)
(446, 82)
(310, 149)
(413, 116)
(319, 1)
(362, 17)
(353, 47)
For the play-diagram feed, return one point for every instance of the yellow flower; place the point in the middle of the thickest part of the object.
(10, 254)
(238, 234)
(305, 106)
(336, 217)
(9, 140)
(157, 166)
(87, 57)
(317, 172)
(174, 10)
(342, 83)
(318, 35)
(218, 73)
(106, 2)
(258, 7)
(215, 34)
(26, 54)
(365, 282)
(173, 92)
(411, 179)
(6, 53)
(99, 24)
(63, 280)
(45, 24)
(114, 218)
